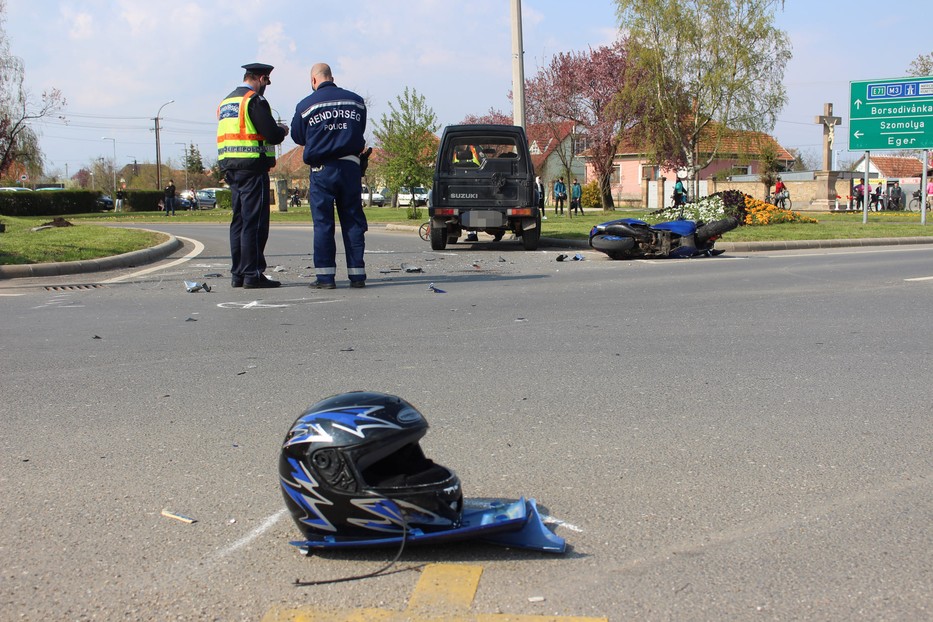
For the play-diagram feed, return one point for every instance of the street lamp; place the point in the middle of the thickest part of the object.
(158, 152)
(114, 141)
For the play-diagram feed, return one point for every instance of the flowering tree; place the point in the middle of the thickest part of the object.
(492, 117)
(589, 89)
(705, 61)
(921, 66)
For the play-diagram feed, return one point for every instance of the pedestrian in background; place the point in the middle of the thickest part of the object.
(539, 196)
(169, 199)
(246, 138)
(118, 200)
(560, 195)
(576, 194)
(330, 123)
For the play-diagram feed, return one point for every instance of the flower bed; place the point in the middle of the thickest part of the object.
(748, 210)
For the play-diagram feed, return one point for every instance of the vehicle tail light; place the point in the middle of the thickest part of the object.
(445, 212)
(520, 211)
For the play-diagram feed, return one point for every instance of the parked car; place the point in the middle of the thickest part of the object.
(104, 202)
(405, 196)
(377, 198)
(207, 198)
(15, 189)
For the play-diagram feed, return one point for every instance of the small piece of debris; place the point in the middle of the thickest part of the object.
(278, 269)
(179, 517)
(191, 319)
(97, 337)
(213, 275)
(561, 257)
(436, 289)
(407, 267)
(536, 599)
(346, 349)
(194, 286)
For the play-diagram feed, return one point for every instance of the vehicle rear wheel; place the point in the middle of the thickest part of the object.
(531, 237)
(438, 238)
(715, 229)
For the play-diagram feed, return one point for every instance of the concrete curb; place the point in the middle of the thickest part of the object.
(817, 244)
(126, 260)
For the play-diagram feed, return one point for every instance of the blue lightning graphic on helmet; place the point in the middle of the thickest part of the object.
(387, 515)
(353, 419)
(303, 482)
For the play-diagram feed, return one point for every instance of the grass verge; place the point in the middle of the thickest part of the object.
(21, 245)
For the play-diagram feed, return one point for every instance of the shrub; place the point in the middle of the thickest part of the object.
(224, 199)
(591, 196)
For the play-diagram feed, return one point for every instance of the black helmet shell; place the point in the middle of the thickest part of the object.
(351, 466)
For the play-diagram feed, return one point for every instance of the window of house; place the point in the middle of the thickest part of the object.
(650, 172)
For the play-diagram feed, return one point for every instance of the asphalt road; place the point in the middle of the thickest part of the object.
(744, 437)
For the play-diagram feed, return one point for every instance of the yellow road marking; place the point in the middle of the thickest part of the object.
(444, 593)
(445, 588)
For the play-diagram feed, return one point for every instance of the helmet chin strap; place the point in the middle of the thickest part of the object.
(375, 573)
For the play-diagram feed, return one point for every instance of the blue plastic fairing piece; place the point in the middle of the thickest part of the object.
(680, 227)
(533, 535)
(516, 524)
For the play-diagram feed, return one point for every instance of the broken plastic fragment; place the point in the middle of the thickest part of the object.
(407, 267)
(578, 257)
(561, 257)
(436, 289)
(181, 517)
(194, 286)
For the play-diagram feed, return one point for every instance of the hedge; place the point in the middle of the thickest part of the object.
(50, 203)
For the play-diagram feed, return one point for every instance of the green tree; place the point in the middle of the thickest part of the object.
(710, 66)
(193, 161)
(19, 143)
(407, 138)
(921, 66)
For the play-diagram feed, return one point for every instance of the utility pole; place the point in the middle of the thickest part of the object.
(158, 148)
(518, 66)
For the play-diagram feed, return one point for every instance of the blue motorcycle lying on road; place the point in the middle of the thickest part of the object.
(629, 238)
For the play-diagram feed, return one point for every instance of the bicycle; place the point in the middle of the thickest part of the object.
(781, 201)
(424, 231)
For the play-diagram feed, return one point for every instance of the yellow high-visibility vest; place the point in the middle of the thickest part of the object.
(239, 145)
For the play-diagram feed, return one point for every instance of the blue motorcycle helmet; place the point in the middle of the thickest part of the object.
(351, 467)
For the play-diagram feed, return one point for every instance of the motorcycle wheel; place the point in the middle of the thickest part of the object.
(714, 229)
(614, 246)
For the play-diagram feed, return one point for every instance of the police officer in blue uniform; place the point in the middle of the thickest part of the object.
(246, 138)
(330, 123)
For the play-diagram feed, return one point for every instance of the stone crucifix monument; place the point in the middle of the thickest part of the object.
(825, 196)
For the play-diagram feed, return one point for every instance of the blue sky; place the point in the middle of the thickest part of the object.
(118, 61)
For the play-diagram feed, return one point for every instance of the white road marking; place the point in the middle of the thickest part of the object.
(258, 304)
(197, 250)
(921, 278)
(255, 533)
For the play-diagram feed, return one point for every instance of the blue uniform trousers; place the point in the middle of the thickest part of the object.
(249, 229)
(337, 183)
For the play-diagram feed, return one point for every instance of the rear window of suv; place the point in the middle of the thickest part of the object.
(478, 153)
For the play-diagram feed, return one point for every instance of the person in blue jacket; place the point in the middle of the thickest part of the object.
(560, 195)
(330, 123)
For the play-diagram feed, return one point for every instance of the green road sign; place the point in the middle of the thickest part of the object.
(891, 114)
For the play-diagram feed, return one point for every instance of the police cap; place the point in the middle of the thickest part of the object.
(259, 69)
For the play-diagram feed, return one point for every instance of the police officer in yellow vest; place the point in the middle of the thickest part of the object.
(246, 138)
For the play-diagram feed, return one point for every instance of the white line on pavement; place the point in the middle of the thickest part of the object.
(197, 250)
